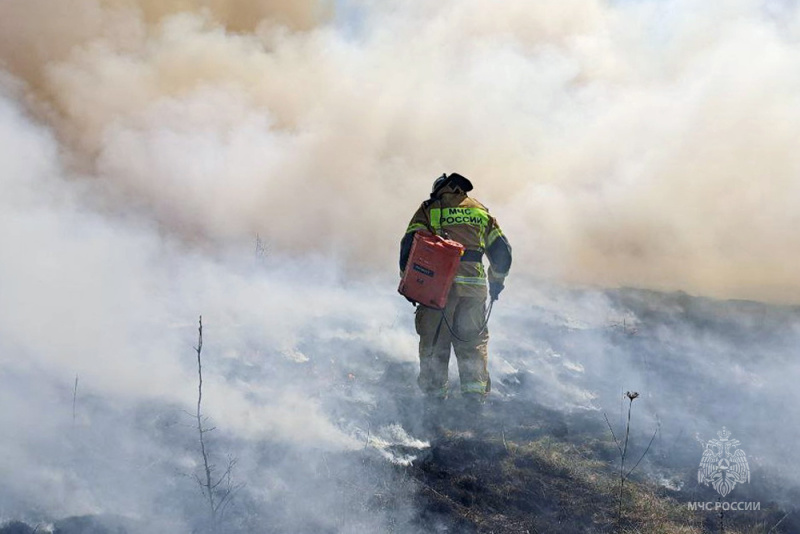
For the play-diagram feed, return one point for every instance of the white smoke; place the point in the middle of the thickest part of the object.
(627, 143)
(107, 298)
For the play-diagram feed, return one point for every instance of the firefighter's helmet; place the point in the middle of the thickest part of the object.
(454, 179)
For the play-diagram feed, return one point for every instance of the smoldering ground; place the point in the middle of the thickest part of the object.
(145, 144)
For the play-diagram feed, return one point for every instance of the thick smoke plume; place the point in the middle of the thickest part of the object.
(620, 143)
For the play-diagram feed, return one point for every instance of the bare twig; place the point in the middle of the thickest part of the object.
(327, 467)
(616, 441)
(652, 438)
(218, 491)
(468, 512)
(74, 399)
(778, 523)
(261, 250)
(624, 454)
(229, 490)
(205, 484)
(622, 447)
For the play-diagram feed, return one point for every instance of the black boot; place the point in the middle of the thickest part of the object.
(432, 414)
(473, 407)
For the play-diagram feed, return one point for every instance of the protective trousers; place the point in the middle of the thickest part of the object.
(466, 316)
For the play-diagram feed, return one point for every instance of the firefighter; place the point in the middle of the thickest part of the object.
(449, 212)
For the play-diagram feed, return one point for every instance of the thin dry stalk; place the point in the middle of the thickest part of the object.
(623, 453)
(219, 492)
(74, 399)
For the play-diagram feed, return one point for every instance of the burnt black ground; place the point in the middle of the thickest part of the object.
(544, 471)
(541, 457)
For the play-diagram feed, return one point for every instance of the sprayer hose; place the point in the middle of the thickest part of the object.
(483, 326)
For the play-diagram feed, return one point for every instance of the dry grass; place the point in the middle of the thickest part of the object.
(503, 485)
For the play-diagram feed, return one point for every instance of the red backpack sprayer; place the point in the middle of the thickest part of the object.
(431, 269)
(430, 272)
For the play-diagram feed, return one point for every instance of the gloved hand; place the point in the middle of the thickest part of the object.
(495, 288)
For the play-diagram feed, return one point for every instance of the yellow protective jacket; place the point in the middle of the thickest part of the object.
(456, 216)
